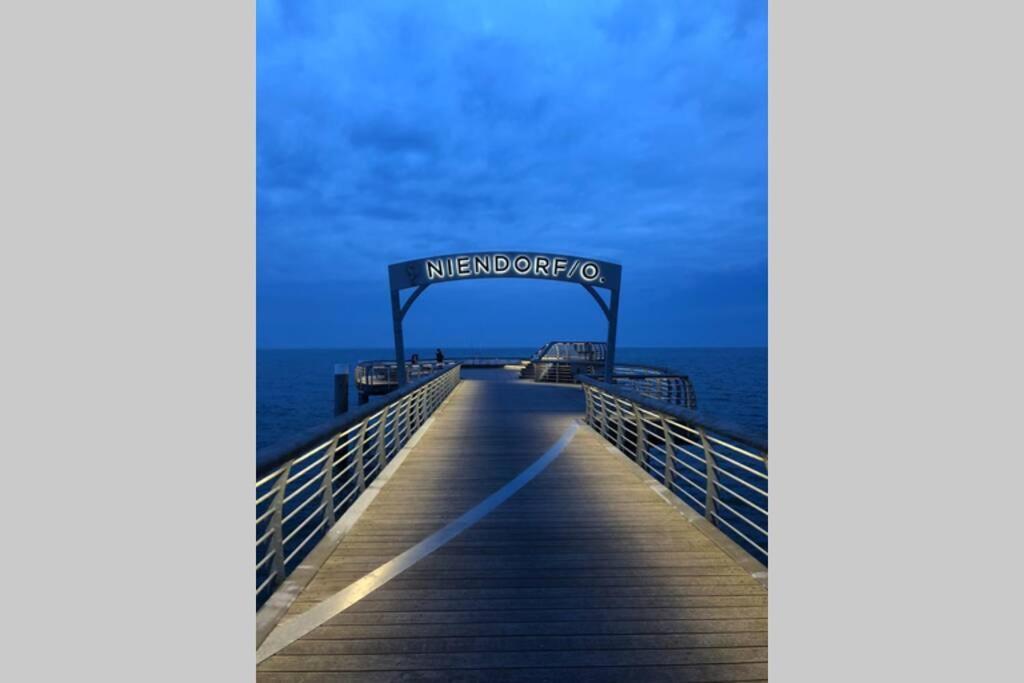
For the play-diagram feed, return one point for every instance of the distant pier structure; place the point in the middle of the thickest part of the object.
(514, 519)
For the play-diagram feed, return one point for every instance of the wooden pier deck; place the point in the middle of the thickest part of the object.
(585, 573)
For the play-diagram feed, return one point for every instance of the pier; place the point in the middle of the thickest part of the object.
(514, 519)
(587, 568)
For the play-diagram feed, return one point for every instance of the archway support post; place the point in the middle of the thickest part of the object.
(396, 319)
(613, 325)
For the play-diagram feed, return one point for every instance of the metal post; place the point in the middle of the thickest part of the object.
(276, 523)
(670, 452)
(360, 449)
(396, 321)
(641, 436)
(340, 389)
(381, 433)
(613, 323)
(709, 461)
(329, 483)
(619, 422)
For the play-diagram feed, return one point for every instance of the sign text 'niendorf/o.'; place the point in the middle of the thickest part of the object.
(500, 264)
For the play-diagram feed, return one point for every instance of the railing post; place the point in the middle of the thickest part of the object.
(276, 539)
(620, 420)
(360, 449)
(709, 462)
(590, 405)
(604, 416)
(670, 453)
(381, 452)
(329, 483)
(641, 436)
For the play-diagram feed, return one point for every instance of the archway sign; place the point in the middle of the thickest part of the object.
(421, 273)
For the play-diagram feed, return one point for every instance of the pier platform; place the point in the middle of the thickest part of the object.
(511, 542)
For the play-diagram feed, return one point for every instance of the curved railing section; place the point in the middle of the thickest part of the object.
(713, 468)
(657, 383)
(381, 376)
(304, 486)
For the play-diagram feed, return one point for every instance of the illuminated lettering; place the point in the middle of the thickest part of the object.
(541, 265)
(521, 264)
(434, 269)
(528, 265)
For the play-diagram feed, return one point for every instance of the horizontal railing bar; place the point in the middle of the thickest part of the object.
(691, 482)
(269, 493)
(344, 470)
(752, 504)
(695, 456)
(264, 537)
(270, 477)
(316, 463)
(740, 515)
(345, 499)
(269, 511)
(299, 547)
(265, 582)
(312, 480)
(683, 491)
(726, 458)
(759, 458)
(677, 461)
(310, 453)
(732, 476)
(740, 534)
(304, 522)
(298, 508)
(265, 559)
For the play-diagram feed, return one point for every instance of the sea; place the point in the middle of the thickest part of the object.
(295, 387)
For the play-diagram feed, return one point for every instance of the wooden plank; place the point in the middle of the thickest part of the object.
(553, 628)
(707, 673)
(509, 660)
(528, 643)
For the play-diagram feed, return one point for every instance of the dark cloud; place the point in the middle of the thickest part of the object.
(389, 129)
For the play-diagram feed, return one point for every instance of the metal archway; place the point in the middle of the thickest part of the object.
(591, 274)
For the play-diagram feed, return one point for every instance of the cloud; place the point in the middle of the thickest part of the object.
(389, 130)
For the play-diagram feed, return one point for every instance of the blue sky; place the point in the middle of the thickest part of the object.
(632, 131)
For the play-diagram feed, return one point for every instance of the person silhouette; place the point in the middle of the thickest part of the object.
(440, 356)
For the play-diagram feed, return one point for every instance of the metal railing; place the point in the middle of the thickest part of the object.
(303, 487)
(562, 372)
(675, 389)
(385, 372)
(718, 472)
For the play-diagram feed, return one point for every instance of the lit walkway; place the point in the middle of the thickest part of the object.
(585, 573)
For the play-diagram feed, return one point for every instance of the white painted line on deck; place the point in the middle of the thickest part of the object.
(287, 633)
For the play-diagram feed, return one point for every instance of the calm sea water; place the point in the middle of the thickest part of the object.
(294, 387)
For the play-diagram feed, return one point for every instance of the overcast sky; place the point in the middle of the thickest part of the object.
(632, 131)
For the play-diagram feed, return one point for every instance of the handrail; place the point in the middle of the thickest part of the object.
(714, 468)
(729, 430)
(305, 484)
(272, 456)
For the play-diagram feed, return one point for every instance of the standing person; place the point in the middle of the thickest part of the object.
(440, 356)
(415, 359)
